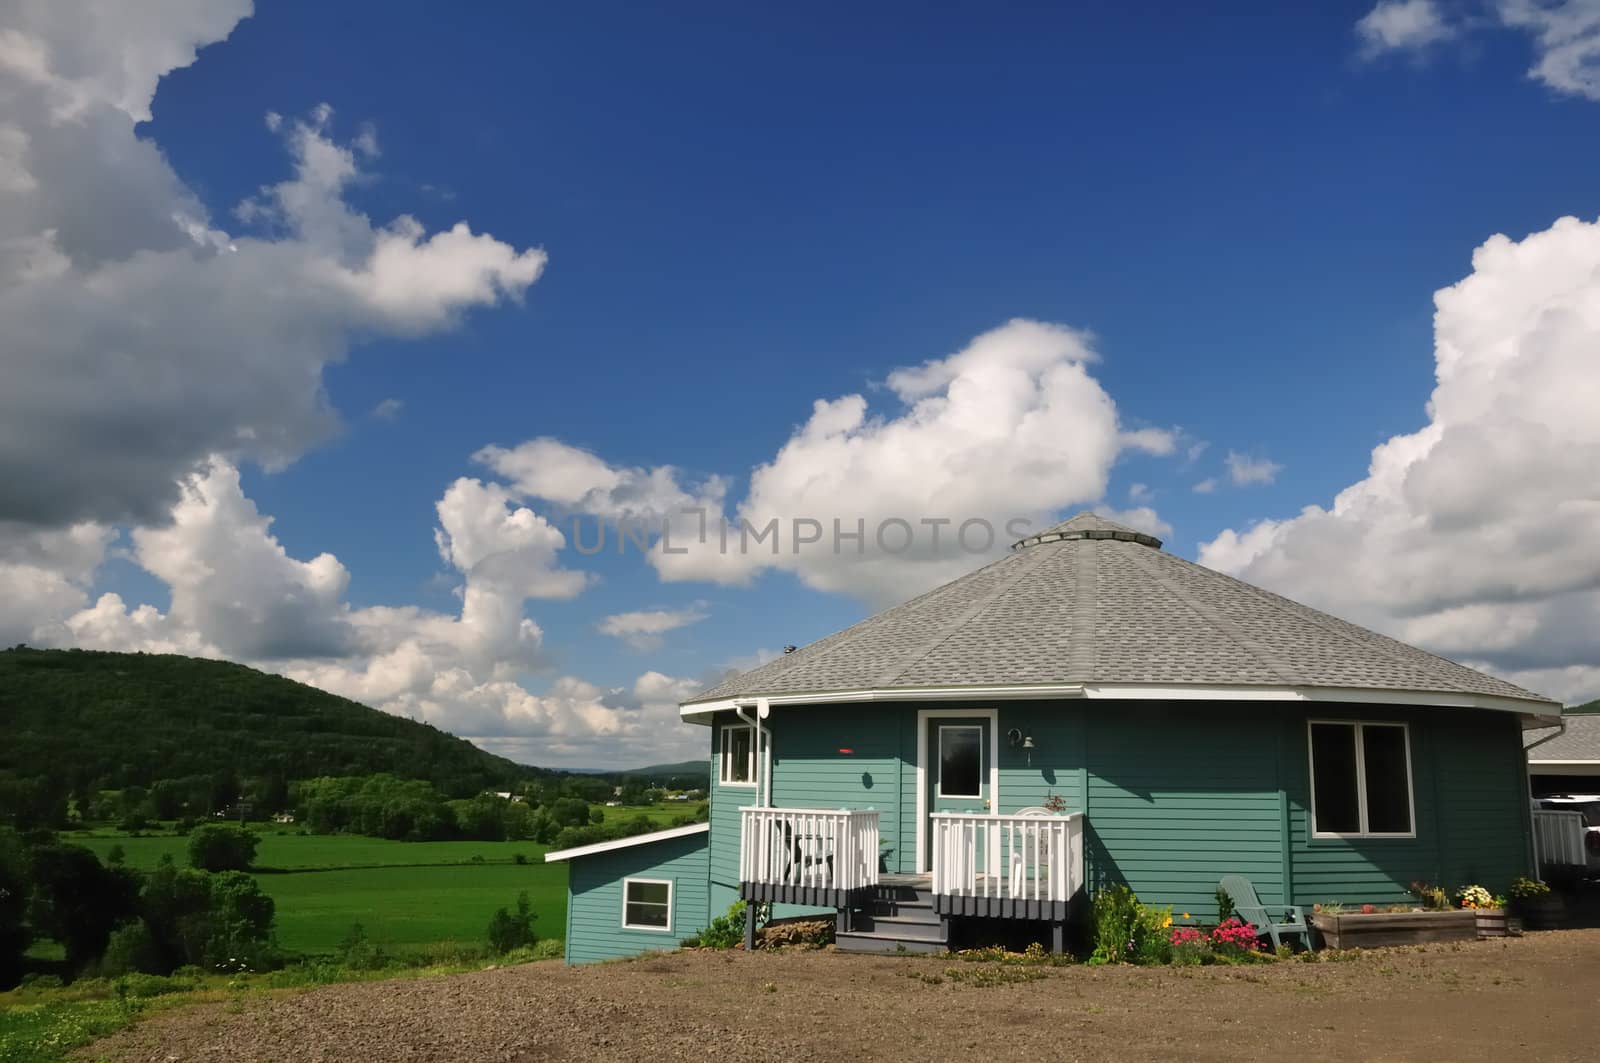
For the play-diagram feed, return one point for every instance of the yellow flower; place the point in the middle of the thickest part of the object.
(1186, 915)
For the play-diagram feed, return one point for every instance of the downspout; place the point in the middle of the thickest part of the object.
(1527, 777)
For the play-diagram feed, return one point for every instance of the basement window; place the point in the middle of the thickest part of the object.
(738, 755)
(1361, 780)
(647, 904)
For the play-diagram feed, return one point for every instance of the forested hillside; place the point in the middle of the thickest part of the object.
(87, 721)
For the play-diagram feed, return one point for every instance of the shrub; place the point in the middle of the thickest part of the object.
(1474, 897)
(131, 950)
(1234, 939)
(220, 847)
(519, 858)
(357, 953)
(725, 932)
(1224, 906)
(1126, 931)
(1430, 895)
(1525, 889)
(1190, 947)
(508, 931)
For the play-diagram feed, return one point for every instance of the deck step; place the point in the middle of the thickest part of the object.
(915, 913)
(869, 941)
(903, 929)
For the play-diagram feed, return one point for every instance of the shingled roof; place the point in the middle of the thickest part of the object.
(1091, 602)
(1579, 742)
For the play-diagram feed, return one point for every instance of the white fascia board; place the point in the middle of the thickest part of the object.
(624, 843)
(1145, 692)
(1591, 763)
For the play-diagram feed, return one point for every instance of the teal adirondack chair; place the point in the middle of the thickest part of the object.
(1249, 908)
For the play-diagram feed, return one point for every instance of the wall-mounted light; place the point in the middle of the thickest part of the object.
(1017, 740)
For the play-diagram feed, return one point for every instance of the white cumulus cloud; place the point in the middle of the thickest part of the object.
(1564, 34)
(643, 629)
(1245, 470)
(1396, 24)
(1475, 535)
(1009, 430)
(140, 337)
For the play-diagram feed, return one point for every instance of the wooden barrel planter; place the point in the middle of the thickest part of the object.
(1358, 931)
(1546, 912)
(1491, 922)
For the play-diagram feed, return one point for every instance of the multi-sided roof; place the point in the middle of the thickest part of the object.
(1092, 604)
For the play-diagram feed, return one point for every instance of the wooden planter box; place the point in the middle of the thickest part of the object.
(1357, 931)
(1491, 922)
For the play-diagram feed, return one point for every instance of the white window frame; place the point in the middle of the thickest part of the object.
(942, 728)
(724, 757)
(667, 882)
(1361, 779)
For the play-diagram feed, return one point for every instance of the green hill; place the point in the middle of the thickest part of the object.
(698, 770)
(88, 721)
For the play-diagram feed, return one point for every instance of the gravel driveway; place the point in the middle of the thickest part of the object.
(1529, 998)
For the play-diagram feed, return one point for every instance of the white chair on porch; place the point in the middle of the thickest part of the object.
(1019, 861)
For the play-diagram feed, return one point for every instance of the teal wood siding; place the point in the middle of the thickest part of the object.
(1175, 794)
(811, 771)
(1180, 795)
(1471, 810)
(594, 898)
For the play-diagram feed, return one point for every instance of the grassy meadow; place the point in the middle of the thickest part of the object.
(405, 894)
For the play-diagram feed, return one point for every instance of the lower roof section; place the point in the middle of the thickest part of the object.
(626, 843)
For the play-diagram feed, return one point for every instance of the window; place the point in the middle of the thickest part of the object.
(647, 904)
(960, 761)
(1361, 780)
(738, 755)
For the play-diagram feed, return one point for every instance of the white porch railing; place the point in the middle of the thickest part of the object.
(808, 848)
(1034, 858)
(1558, 837)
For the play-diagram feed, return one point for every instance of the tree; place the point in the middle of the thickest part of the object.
(220, 847)
(200, 918)
(78, 901)
(14, 888)
(509, 931)
(570, 812)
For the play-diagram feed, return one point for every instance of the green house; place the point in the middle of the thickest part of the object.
(1091, 710)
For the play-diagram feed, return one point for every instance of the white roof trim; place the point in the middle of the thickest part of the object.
(1142, 692)
(623, 843)
(1568, 762)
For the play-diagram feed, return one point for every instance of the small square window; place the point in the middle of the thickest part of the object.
(647, 904)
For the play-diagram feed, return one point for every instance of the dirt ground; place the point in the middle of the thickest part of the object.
(1531, 998)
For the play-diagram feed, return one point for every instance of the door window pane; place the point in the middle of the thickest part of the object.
(1388, 789)
(960, 761)
(1336, 807)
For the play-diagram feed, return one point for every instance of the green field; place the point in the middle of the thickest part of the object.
(404, 907)
(662, 813)
(406, 894)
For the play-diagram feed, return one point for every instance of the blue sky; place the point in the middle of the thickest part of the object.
(746, 210)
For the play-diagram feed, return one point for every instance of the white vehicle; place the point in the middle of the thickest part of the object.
(1589, 805)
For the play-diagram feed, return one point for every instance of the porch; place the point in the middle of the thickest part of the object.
(978, 866)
